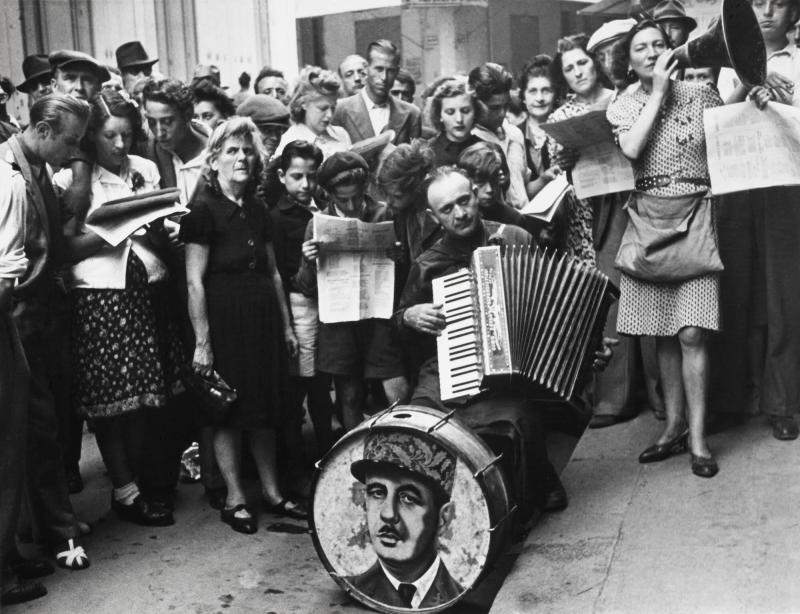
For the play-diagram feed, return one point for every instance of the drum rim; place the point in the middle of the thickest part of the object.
(496, 523)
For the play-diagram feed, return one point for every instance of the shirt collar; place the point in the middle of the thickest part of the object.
(285, 204)
(195, 162)
(373, 105)
(789, 50)
(422, 584)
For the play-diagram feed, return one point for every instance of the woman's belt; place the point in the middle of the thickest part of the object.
(662, 181)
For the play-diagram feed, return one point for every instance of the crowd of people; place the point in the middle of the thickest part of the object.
(107, 334)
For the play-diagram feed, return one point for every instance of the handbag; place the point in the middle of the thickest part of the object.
(215, 398)
(668, 239)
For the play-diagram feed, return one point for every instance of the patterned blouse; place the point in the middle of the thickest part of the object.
(677, 144)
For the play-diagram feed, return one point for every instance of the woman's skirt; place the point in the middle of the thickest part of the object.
(125, 347)
(247, 339)
(663, 309)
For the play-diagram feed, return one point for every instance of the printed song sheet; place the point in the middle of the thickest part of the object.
(355, 277)
(115, 230)
(601, 167)
(545, 203)
(748, 148)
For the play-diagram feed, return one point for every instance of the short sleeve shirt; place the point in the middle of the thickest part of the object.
(237, 236)
(677, 143)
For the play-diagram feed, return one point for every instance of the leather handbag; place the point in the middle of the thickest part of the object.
(215, 398)
(669, 239)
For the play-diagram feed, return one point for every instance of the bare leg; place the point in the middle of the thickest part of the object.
(227, 449)
(262, 447)
(695, 380)
(669, 366)
(396, 389)
(350, 393)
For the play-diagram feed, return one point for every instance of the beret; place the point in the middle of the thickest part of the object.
(337, 163)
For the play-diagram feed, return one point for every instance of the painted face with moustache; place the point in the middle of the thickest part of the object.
(403, 520)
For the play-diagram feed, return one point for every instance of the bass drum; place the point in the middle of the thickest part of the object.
(478, 519)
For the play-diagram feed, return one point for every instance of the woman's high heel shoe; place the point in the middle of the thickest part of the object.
(242, 525)
(704, 466)
(662, 451)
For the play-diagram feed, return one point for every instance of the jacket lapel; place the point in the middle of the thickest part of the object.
(33, 186)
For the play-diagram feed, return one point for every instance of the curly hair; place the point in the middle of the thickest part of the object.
(170, 92)
(449, 88)
(113, 103)
(570, 43)
(407, 166)
(314, 83)
(538, 67)
(206, 91)
(235, 127)
(490, 79)
(485, 162)
(621, 53)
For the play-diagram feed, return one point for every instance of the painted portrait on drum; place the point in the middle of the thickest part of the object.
(401, 520)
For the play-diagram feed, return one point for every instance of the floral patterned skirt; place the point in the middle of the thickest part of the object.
(125, 347)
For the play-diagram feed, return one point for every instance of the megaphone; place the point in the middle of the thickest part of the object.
(734, 40)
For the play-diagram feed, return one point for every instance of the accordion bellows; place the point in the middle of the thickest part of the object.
(524, 316)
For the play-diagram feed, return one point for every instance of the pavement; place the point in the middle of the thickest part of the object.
(657, 539)
(634, 539)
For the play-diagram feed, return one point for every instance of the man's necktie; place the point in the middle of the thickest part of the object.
(406, 593)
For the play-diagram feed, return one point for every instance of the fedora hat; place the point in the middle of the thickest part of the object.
(673, 9)
(66, 57)
(133, 54)
(34, 67)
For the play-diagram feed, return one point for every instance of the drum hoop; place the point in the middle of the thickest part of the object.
(478, 474)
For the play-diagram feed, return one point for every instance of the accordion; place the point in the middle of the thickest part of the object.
(525, 316)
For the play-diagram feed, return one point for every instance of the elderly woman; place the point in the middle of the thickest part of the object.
(118, 296)
(658, 124)
(311, 107)
(579, 79)
(452, 112)
(239, 313)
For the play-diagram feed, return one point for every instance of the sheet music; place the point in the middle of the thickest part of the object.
(115, 231)
(749, 148)
(545, 203)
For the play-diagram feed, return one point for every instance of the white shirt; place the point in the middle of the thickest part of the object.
(335, 138)
(785, 62)
(107, 267)
(13, 204)
(512, 142)
(187, 175)
(422, 584)
(378, 114)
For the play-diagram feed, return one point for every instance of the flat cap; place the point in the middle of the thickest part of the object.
(67, 57)
(263, 110)
(412, 452)
(338, 163)
(609, 32)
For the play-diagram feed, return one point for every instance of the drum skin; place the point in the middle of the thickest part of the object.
(471, 542)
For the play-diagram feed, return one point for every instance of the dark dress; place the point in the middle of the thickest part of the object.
(446, 152)
(244, 320)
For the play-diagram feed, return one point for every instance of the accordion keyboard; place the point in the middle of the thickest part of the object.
(457, 346)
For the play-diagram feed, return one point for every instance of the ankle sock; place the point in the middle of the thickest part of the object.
(127, 493)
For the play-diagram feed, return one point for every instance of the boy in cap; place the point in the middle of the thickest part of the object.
(351, 351)
(270, 116)
(408, 481)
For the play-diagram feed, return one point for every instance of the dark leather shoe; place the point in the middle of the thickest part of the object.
(74, 481)
(28, 569)
(556, 500)
(704, 466)
(143, 512)
(22, 592)
(784, 428)
(662, 451)
(242, 525)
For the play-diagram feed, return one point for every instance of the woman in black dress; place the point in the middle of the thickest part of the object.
(239, 313)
